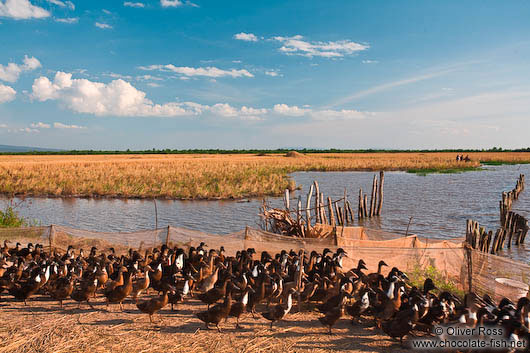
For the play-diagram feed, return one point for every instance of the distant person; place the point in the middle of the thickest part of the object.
(467, 159)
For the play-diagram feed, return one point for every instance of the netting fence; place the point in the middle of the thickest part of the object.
(452, 261)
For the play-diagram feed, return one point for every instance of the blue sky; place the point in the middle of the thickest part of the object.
(264, 74)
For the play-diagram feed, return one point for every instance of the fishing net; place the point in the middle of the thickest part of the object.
(449, 261)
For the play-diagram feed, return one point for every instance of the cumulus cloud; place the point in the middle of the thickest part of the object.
(21, 9)
(248, 37)
(3, 126)
(12, 71)
(40, 125)
(7, 94)
(284, 109)
(69, 20)
(102, 25)
(370, 61)
(64, 126)
(170, 3)
(134, 4)
(118, 98)
(296, 45)
(199, 71)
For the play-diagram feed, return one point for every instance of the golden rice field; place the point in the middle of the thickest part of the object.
(203, 176)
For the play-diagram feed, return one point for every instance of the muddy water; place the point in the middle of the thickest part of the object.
(439, 205)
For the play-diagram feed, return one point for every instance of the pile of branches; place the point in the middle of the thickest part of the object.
(279, 221)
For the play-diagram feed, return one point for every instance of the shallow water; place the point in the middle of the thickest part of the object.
(439, 205)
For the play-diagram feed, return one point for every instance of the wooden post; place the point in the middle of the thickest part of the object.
(286, 200)
(156, 215)
(350, 212)
(308, 208)
(317, 203)
(380, 196)
(330, 208)
(323, 217)
(373, 196)
(360, 213)
(337, 211)
(365, 206)
(299, 211)
(246, 233)
(167, 236)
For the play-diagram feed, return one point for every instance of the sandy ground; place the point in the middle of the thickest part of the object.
(43, 326)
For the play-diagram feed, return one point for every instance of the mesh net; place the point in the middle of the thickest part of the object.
(449, 261)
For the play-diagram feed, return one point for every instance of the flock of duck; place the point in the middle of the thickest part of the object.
(232, 286)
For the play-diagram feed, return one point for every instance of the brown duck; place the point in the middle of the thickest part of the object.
(118, 294)
(280, 310)
(217, 312)
(153, 305)
(62, 288)
(240, 307)
(333, 315)
(85, 292)
(214, 294)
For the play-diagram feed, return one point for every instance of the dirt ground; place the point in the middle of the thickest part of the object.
(43, 326)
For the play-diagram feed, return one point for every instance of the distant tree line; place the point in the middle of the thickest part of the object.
(259, 151)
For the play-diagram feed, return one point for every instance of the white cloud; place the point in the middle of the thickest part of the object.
(102, 25)
(7, 94)
(69, 20)
(21, 9)
(245, 113)
(3, 126)
(296, 45)
(154, 84)
(170, 3)
(343, 114)
(57, 2)
(24, 129)
(107, 12)
(134, 4)
(64, 126)
(199, 71)
(370, 61)
(272, 73)
(284, 109)
(248, 37)
(117, 98)
(12, 71)
(40, 125)
(70, 5)
(149, 77)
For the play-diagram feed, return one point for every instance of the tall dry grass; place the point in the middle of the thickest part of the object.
(201, 176)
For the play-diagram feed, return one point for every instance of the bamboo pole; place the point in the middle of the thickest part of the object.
(360, 212)
(337, 211)
(331, 217)
(317, 203)
(373, 197)
(349, 211)
(299, 211)
(286, 200)
(323, 217)
(380, 196)
(365, 206)
(308, 209)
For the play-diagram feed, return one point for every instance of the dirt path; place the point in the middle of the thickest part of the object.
(43, 326)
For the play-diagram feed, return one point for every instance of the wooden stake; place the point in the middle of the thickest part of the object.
(330, 208)
(308, 209)
(380, 196)
(373, 196)
(317, 203)
(286, 200)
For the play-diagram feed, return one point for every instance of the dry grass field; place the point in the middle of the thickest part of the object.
(43, 326)
(203, 176)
